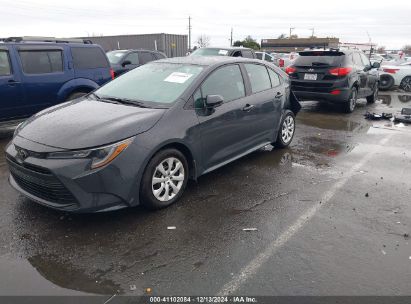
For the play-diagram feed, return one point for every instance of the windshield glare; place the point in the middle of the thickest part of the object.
(210, 52)
(159, 83)
(115, 56)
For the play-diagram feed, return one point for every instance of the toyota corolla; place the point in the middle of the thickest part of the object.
(138, 139)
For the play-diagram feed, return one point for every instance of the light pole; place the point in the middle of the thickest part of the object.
(291, 29)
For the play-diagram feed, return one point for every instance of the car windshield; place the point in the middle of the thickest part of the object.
(155, 83)
(210, 52)
(317, 58)
(115, 56)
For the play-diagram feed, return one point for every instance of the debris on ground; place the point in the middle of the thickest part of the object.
(367, 195)
(171, 227)
(133, 287)
(383, 252)
(250, 229)
(374, 116)
(404, 116)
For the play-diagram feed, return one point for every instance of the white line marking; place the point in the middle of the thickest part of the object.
(255, 264)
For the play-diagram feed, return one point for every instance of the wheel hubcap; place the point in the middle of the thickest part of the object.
(168, 179)
(406, 84)
(287, 129)
(353, 100)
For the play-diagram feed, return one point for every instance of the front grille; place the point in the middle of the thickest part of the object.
(40, 183)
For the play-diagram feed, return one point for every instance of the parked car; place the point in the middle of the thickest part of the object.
(284, 60)
(265, 56)
(231, 51)
(338, 76)
(36, 73)
(122, 61)
(138, 139)
(396, 75)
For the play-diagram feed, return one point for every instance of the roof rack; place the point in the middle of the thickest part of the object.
(45, 39)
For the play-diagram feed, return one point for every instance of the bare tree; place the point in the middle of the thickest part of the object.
(203, 40)
(381, 49)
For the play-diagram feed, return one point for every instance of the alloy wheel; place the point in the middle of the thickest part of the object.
(406, 84)
(168, 179)
(353, 99)
(287, 131)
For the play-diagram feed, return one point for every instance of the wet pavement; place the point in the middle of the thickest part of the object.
(332, 212)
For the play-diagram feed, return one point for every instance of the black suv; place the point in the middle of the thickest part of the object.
(230, 51)
(339, 76)
(122, 61)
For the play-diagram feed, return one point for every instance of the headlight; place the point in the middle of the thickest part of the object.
(99, 156)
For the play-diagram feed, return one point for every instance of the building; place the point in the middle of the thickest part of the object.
(297, 44)
(170, 44)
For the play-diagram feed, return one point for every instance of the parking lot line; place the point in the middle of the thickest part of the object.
(255, 264)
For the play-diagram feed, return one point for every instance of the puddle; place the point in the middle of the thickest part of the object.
(325, 121)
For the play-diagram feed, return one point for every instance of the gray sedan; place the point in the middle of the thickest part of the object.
(138, 139)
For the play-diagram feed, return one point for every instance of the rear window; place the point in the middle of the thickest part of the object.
(115, 56)
(41, 62)
(210, 52)
(89, 58)
(319, 58)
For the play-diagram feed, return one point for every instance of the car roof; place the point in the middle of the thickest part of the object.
(232, 48)
(207, 60)
(40, 43)
(134, 50)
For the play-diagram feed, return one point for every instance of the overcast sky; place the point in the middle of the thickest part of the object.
(387, 22)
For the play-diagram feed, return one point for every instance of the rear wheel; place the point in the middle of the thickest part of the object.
(164, 179)
(386, 82)
(406, 84)
(349, 105)
(287, 130)
(372, 98)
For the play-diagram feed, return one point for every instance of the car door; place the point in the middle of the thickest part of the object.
(11, 103)
(43, 74)
(222, 128)
(263, 104)
(372, 74)
(362, 74)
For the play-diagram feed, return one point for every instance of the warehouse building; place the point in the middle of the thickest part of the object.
(170, 44)
(297, 44)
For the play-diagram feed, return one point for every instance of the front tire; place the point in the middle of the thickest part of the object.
(287, 130)
(406, 84)
(372, 98)
(164, 179)
(349, 106)
(386, 82)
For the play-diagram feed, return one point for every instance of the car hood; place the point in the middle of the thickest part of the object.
(88, 123)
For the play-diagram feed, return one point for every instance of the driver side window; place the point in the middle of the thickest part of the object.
(133, 58)
(226, 81)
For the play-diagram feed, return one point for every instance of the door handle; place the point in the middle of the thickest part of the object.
(248, 107)
(12, 82)
(278, 95)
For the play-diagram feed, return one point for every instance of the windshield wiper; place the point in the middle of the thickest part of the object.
(125, 101)
(95, 96)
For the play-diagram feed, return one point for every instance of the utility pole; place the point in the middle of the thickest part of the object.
(231, 39)
(189, 33)
(312, 32)
(291, 29)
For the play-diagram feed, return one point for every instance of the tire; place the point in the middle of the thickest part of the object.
(373, 97)
(349, 105)
(75, 95)
(386, 82)
(156, 191)
(406, 84)
(287, 130)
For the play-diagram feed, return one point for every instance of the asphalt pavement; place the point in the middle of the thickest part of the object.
(330, 215)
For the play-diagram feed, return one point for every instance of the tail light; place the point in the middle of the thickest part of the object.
(281, 63)
(290, 69)
(340, 72)
(112, 74)
(335, 92)
(391, 71)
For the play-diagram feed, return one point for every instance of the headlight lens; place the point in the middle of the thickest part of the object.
(99, 156)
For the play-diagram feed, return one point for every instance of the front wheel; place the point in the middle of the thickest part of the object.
(349, 105)
(372, 98)
(287, 129)
(386, 82)
(164, 179)
(406, 84)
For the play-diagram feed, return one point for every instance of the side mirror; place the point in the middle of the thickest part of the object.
(376, 65)
(127, 62)
(213, 101)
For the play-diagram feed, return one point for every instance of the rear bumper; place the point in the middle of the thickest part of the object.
(323, 96)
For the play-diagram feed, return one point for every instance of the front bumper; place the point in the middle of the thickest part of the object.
(68, 184)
